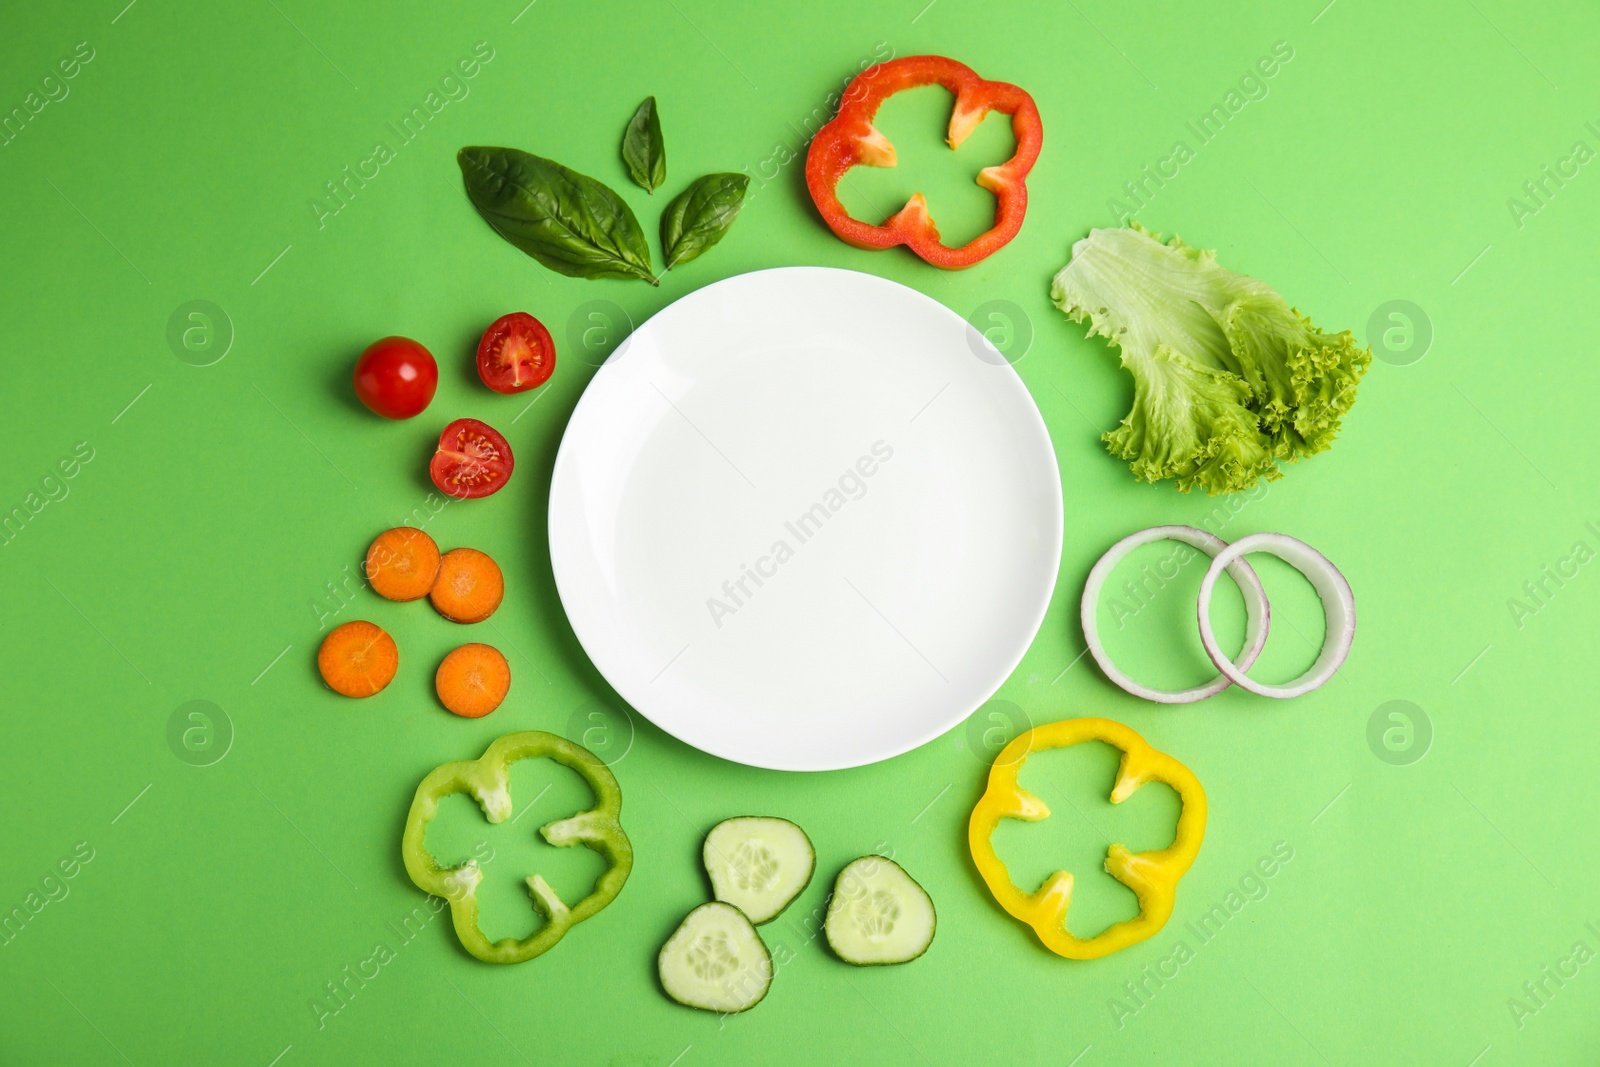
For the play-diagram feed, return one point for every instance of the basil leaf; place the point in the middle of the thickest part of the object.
(700, 216)
(643, 150)
(568, 221)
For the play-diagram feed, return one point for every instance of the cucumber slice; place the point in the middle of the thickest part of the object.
(878, 914)
(716, 961)
(758, 864)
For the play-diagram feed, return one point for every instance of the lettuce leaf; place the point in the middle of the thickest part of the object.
(1228, 379)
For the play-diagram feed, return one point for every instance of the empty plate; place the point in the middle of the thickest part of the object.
(805, 519)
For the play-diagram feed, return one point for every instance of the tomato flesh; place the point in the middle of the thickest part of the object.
(516, 354)
(472, 460)
(396, 377)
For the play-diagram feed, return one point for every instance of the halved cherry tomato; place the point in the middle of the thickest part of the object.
(472, 460)
(516, 353)
(396, 377)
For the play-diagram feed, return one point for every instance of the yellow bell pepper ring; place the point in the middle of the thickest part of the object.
(1153, 876)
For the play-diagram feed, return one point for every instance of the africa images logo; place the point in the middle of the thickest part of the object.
(850, 486)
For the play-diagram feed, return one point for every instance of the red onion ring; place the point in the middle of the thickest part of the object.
(1258, 614)
(1338, 608)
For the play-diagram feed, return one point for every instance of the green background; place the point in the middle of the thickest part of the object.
(215, 533)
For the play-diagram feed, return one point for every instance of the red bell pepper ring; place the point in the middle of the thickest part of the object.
(851, 139)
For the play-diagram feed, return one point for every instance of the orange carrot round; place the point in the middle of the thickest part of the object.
(469, 586)
(473, 680)
(358, 659)
(402, 564)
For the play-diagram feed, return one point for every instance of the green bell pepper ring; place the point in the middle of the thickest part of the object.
(486, 780)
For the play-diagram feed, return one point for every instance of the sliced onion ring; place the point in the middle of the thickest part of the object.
(1258, 614)
(1338, 608)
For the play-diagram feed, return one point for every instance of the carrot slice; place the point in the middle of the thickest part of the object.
(473, 680)
(358, 659)
(469, 586)
(402, 564)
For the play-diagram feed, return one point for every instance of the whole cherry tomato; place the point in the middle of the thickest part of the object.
(396, 377)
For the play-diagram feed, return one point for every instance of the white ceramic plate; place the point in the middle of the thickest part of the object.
(805, 519)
